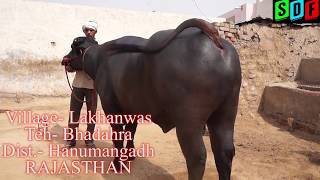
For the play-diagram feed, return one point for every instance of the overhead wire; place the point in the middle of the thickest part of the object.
(203, 14)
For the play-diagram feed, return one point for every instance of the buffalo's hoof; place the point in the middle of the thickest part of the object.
(70, 144)
(116, 163)
(90, 144)
(129, 146)
(131, 158)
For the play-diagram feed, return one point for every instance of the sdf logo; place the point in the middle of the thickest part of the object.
(296, 11)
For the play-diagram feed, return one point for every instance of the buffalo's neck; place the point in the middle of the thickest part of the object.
(126, 74)
(90, 62)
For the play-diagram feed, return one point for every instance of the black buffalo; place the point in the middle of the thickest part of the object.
(185, 78)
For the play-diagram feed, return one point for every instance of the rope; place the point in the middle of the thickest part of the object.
(76, 97)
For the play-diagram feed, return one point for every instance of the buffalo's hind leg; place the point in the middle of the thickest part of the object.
(221, 129)
(193, 149)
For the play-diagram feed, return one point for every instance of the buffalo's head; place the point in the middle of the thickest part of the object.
(73, 60)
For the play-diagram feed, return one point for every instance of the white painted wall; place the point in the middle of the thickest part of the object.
(29, 27)
(248, 11)
(236, 14)
(264, 9)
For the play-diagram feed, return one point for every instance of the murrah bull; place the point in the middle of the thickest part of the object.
(185, 78)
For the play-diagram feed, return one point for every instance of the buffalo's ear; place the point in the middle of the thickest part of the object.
(86, 44)
(69, 68)
(92, 41)
(80, 40)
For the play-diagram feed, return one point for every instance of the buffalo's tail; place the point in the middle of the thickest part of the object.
(206, 27)
(209, 29)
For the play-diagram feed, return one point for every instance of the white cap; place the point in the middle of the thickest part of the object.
(90, 24)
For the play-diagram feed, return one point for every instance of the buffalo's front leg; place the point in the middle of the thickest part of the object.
(131, 127)
(193, 148)
(118, 144)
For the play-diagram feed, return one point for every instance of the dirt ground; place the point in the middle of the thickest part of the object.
(264, 149)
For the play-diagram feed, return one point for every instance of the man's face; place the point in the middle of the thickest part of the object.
(90, 33)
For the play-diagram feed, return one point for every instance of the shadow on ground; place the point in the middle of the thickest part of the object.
(141, 168)
(313, 156)
(299, 133)
(283, 125)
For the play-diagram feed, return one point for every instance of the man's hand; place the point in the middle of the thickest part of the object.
(69, 68)
(65, 61)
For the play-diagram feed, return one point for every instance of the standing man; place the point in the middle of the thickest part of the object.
(83, 88)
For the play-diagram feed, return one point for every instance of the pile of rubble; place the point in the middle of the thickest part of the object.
(228, 31)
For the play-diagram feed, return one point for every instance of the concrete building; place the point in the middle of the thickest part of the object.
(248, 11)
